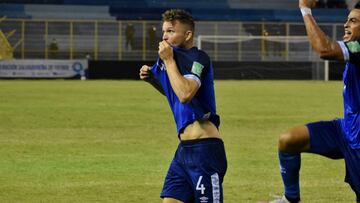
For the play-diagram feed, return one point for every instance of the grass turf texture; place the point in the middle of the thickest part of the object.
(112, 141)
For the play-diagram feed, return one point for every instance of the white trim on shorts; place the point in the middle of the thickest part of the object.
(215, 188)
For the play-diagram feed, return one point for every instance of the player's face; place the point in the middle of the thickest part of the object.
(352, 26)
(175, 33)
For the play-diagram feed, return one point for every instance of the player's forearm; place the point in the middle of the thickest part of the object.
(318, 39)
(179, 84)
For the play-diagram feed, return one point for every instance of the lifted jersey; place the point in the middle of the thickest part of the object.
(351, 92)
(192, 64)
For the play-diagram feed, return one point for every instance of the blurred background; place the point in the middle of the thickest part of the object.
(246, 39)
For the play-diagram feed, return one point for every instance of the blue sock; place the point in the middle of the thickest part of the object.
(289, 169)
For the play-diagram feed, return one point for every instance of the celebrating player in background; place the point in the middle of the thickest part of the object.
(336, 139)
(184, 75)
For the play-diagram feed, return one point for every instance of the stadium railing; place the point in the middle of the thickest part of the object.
(106, 39)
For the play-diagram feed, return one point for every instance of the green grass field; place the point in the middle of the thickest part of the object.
(112, 141)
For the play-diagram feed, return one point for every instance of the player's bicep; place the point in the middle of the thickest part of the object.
(333, 52)
(193, 85)
(193, 78)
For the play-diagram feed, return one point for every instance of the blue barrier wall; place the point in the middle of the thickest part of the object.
(222, 70)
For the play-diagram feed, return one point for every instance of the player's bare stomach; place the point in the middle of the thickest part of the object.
(200, 129)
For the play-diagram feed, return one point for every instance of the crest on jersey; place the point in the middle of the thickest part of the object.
(354, 46)
(197, 68)
(162, 66)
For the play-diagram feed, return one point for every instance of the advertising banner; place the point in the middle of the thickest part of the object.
(34, 68)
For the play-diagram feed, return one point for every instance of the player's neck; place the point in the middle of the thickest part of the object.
(188, 45)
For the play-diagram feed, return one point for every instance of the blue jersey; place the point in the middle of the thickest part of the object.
(351, 92)
(192, 64)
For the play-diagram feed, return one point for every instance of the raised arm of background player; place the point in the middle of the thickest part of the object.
(146, 75)
(321, 43)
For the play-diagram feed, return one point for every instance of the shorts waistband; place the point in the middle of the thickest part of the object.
(198, 141)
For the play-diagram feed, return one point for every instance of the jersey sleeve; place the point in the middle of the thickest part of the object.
(351, 51)
(199, 67)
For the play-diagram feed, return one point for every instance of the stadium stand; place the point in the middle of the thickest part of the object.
(97, 28)
(199, 4)
(13, 11)
(260, 4)
(78, 12)
(85, 2)
(213, 10)
(32, 1)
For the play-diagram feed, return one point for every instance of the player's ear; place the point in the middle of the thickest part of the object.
(189, 35)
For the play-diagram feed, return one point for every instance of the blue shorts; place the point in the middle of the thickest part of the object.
(196, 172)
(327, 138)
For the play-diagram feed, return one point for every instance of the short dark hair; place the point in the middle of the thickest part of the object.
(357, 5)
(180, 15)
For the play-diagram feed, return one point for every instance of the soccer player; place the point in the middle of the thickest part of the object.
(335, 139)
(184, 74)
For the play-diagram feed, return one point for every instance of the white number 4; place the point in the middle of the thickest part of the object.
(200, 186)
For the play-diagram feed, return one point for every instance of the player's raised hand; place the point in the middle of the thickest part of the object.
(145, 73)
(307, 3)
(165, 50)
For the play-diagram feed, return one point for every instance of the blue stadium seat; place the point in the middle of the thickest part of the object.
(129, 3)
(32, 1)
(189, 4)
(208, 10)
(97, 12)
(86, 2)
(13, 11)
(122, 13)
